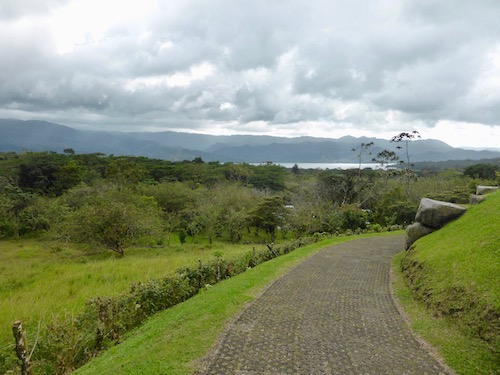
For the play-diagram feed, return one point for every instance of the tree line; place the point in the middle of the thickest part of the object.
(116, 201)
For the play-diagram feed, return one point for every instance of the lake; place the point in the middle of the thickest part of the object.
(329, 165)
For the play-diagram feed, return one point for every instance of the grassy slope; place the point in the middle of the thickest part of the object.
(172, 341)
(42, 278)
(456, 271)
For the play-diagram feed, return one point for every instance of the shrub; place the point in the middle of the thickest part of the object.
(482, 171)
(353, 218)
(113, 220)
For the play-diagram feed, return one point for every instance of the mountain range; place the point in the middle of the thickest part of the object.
(17, 135)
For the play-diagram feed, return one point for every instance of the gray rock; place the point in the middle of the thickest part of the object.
(482, 190)
(475, 199)
(415, 231)
(435, 214)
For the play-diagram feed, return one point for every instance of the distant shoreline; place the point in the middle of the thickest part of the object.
(324, 166)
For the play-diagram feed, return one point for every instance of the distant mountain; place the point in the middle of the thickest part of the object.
(340, 151)
(212, 143)
(16, 135)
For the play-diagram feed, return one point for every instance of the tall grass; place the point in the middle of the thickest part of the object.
(40, 279)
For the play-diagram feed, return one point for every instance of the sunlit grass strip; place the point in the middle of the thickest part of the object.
(464, 354)
(171, 341)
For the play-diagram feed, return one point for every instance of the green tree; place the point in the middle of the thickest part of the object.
(385, 158)
(232, 202)
(393, 208)
(269, 177)
(38, 172)
(236, 221)
(124, 172)
(303, 219)
(176, 200)
(113, 219)
(269, 214)
(67, 176)
(198, 160)
(406, 138)
(338, 188)
(238, 173)
(9, 223)
(209, 219)
(21, 212)
(361, 150)
(482, 171)
(353, 218)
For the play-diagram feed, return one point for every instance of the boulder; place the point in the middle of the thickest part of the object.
(482, 190)
(435, 214)
(475, 199)
(415, 231)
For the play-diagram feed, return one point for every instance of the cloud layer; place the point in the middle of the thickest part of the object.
(320, 67)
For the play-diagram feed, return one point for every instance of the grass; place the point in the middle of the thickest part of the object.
(465, 354)
(451, 290)
(39, 279)
(173, 341)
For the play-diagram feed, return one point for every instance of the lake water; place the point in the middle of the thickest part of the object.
(331, 165)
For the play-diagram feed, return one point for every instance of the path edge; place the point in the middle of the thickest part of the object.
(433, 352)
(212, 354)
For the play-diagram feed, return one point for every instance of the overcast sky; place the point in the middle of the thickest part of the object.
(323, 68)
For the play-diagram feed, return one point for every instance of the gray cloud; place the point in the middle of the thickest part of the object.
(13, 9)
(192, 64)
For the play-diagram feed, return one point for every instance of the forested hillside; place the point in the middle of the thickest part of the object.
(16, 135)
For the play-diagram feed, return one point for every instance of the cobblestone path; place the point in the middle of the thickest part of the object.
(333, 314)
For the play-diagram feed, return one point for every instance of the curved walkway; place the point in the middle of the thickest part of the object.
(333, 314)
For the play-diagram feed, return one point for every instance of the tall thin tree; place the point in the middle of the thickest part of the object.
(385, 158)
(406, 138)
(361, 150)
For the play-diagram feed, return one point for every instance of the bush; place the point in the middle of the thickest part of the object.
(395, 213)
(353, 218)
(114, 220)
(482, 171)
(459, 194)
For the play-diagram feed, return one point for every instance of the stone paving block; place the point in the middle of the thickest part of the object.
(333, 314)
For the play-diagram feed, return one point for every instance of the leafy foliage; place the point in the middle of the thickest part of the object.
(125, 172)
(195, 198)
(269, 215)
(484, 171)
(113, 220)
